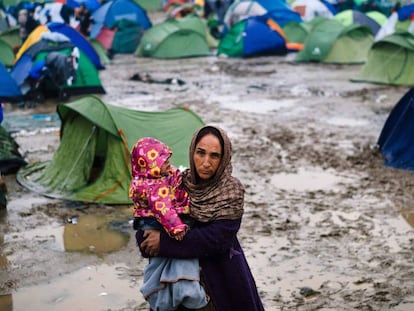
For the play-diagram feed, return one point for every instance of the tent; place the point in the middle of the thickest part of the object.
(278, 10)
(256, 35)
(86, 80)
(9, 41)
(150, 5)
(396, 141)
(91, 163)
(349, 17)
(331, 42)
(69, 33)
(119, 15)
(398, 21)
(124, 37)
(309, 9)
(175, 38)
(390, 61)
(9, 89)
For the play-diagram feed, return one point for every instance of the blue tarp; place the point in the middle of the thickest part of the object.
(9, 89)
(396, 141)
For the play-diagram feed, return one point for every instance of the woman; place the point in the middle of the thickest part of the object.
(217, 200)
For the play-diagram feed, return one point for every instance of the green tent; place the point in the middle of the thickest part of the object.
(331, 42)
(100, 49)
(9, 40)
(91, 163)
(390, 61)
(87, 79)
(297, 32)
(175, 38)
(127, 36)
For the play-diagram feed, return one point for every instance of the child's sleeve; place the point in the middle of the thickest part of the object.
(160, 199)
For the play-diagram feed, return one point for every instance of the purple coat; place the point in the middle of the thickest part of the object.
(224, 268)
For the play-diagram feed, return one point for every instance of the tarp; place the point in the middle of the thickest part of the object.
(175, 38)
(396, 141)
(390, 61)
(331, 42)
(92, 163)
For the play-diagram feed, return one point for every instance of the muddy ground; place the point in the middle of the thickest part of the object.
(326, 227)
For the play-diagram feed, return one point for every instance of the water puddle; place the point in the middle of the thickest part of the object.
(98, 234)
(309, 180)
(98, 287)
(262, 106)
(15, 123)
(347, 122)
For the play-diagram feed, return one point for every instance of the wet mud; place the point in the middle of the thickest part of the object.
(326, 226)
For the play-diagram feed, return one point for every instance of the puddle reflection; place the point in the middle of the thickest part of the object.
(94, 234)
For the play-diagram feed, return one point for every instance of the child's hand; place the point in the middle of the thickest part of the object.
(179, 236)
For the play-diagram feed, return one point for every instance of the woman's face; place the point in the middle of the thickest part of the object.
(207, 156)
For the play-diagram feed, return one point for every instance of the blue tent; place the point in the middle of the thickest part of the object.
(396, 141)
(111, 12)
(8, 86)
(78, 40)
(91, 5)
(256, 35)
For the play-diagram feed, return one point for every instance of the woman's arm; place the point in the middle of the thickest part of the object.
(205, 239)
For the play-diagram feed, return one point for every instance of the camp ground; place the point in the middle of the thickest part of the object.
(91, 163)
(329, 41)
(396, 141)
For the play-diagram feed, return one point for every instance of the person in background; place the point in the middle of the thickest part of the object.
(84, 16)
(159, 201)
(217, 205)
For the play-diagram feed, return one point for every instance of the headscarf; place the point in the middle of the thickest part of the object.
(220, 197)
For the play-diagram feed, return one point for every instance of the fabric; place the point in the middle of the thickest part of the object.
(222, 197)
(170, 283)
(153, 194)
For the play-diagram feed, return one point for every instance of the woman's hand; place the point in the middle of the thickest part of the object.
(151, 244)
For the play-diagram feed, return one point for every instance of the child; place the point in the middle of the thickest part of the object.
(158, 200)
